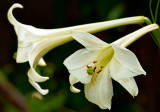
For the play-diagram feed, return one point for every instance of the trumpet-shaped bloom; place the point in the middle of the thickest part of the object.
(99, 62)
(34, 43)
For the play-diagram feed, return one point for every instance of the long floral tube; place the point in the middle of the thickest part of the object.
(132, 37)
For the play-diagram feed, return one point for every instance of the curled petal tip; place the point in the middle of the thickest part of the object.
(42, 62)
(135, 95)
(36, 77)
(44, 92)
(11, 18)
(74, 90)
(144, 73)
(17, 5)
(37, 86)
(47, 78)
(109, 108)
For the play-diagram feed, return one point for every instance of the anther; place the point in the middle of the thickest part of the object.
(102, 66)
(99, 71)
(94, 69)
(94, 61)
(89, 66)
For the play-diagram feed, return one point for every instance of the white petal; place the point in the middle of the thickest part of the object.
(24, 46)
(100, 90)
(42, 91)
(124, 64)
(81, 75)
(130, 85)
(22, 54)
(33, 75)
(29, 36)
(10, 15)
(42, 62)
(89, 41)
(80, 59)
(72, 81)
(36, 53)
(35, 56)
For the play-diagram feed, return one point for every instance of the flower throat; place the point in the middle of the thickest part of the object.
(100, 61)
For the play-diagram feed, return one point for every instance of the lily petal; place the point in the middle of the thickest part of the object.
(37, 52)
(80, 59)
(130, 85)
(72, 81)
(100, 90)
(10, 15)
(33, 75)
(89, 41)
(26, 36)
(22, 54)
(124, 64)
(42, 91)
(42, 62)
(81, 75)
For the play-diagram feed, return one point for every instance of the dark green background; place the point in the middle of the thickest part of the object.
(16, 93)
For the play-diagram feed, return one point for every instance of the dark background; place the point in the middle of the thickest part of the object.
(17, 95)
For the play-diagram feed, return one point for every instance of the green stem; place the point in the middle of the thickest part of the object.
(156, 13)
(147, 21)
(150, 8)
(154, 33)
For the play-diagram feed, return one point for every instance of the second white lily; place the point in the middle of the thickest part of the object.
(99, 61)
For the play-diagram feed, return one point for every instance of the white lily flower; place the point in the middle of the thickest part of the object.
(34, 43)
(99, 62)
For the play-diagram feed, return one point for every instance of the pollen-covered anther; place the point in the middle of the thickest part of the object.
(94, 62)
(102, 67)
(99, 71)
(94, 69)
(89, 66)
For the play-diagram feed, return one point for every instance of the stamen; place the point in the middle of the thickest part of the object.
(89, 66)
(94, 69)
(102, 66)
(99, 71)
(94, 62)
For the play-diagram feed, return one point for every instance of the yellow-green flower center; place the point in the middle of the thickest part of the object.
(100, 61)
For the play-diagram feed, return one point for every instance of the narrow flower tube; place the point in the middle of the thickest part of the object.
(130, 38)
(99, 62)
(34, 43)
